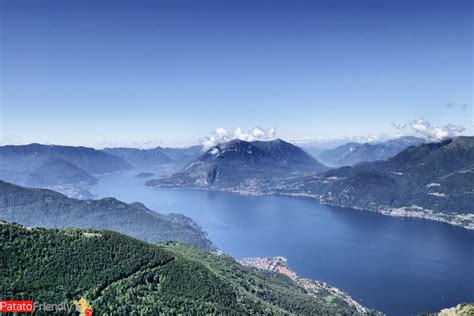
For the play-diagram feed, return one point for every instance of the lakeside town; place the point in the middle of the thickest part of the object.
(313, 288)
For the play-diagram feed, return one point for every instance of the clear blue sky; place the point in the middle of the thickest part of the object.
(83, 72)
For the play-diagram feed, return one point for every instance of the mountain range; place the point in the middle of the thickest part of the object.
(113, 274)
(70, 170)
(352, 153)
(47, 208)
(429, 180)
(156, 157)
(316, 146)
(242, 163)
(88, 159)
(432, 180)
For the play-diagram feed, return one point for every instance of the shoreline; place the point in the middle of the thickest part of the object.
(279, 265)
(464, 220)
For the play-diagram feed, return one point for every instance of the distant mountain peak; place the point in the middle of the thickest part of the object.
(154, 157)
(237, 161)
(352, 153)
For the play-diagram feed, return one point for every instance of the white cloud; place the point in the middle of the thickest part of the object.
(257, 132)
(222, 135)
(434, 132)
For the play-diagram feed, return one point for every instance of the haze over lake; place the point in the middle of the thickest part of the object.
(400, 266)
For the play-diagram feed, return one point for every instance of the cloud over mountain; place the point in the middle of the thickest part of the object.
(430, 131)
(222, 135)
(434, 132)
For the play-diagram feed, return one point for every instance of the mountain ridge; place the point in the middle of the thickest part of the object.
(352, 153)
(238, 161)
(89, 159)
(68, 169)
(432, 180)
(47, 208)
(155, 157)
(117, 274)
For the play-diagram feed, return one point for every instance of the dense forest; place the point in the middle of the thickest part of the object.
(121, 275)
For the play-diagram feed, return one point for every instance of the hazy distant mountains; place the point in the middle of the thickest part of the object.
(46, 208)
(156, 157)
(88, 159)
(352, 153)
(316, 146)
(72, 170)
(68, 169)
(434, 180)
(238, 163)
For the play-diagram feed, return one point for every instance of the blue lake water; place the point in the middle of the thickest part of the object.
(400, 266)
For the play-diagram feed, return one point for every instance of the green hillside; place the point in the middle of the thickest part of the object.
(121, 275)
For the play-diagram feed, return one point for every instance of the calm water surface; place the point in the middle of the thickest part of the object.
(397, 265)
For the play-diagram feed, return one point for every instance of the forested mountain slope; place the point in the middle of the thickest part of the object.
(121, 275)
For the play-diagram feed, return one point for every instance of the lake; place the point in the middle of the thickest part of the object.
(400, 266)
